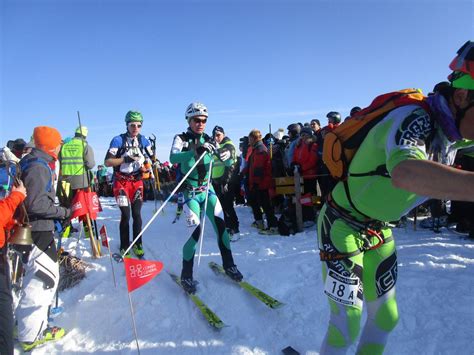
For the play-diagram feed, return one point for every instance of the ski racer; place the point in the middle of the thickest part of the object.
(186, 149)
(357, 250)
(126, 155)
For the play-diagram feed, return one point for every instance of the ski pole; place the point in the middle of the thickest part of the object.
(201, 237)
(164, 204)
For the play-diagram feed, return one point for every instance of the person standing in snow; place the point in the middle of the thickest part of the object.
(41, 277)
(126, 155)
(187, 148)
(222, 170)
(76, 160)
(357, 248)
(259, 173)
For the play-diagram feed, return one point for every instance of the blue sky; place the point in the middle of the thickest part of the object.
(251, 62)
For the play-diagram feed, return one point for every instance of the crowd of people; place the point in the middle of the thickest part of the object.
(416, 144)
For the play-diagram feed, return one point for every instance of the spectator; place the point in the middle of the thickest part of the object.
(259, 173)
(222, 171)
(41, 276)
(325, 180)
(305, 156)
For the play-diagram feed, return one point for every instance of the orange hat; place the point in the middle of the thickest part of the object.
(47, 139)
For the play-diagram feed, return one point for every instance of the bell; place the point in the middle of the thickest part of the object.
(21, 235)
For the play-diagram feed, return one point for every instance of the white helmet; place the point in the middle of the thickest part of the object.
(196, 109)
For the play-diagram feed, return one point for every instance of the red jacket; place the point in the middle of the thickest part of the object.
(7, 208)
(259, 168)
(306, 156)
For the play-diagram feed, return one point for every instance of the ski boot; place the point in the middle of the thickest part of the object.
(138, 250)
(234, 273)
(189, 285)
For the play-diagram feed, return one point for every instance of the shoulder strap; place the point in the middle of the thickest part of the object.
(25, 164)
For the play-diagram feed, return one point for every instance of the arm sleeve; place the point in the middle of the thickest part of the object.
(89, 160)
(177, 156)
(407, 136)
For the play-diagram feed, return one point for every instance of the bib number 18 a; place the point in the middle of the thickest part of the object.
(342, 289)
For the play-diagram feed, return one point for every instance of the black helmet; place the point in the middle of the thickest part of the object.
(334, 117)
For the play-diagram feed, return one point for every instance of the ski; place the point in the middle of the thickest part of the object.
(257, 293)
(290, 351)
(211, 317)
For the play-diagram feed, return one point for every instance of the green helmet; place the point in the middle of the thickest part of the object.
(133, 116)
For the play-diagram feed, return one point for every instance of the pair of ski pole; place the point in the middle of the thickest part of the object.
(167, 200)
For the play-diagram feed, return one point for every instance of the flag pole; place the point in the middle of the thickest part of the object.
(110, 253)
(133, 321)
(201, 237)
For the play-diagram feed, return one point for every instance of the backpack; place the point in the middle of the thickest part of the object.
(341, 144)
(8, 173)
(124, 147)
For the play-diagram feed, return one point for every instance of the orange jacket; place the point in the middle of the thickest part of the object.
(7, 209)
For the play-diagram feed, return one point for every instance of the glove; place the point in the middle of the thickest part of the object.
(206, 148)
(224, 155)
(67, 213)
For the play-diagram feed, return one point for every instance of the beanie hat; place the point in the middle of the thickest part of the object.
(82, 130)
(306, 130)
(47, 139)
(217, 129)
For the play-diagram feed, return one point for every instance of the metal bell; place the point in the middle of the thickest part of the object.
(21, 235)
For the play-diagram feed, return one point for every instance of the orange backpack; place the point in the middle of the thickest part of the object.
(341, 144)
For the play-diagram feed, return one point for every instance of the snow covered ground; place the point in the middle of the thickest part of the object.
(435, 295)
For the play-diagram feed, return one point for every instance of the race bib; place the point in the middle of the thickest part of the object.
(342, 289)
(122, 201)
(192, 220)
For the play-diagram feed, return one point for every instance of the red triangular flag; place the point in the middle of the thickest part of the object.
(103, 236)
(139, 272)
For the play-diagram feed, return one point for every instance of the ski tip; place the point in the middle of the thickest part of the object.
(289, 351)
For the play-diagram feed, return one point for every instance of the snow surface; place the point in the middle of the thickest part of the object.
(435, 295)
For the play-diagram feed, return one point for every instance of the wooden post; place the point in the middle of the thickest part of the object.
(95, 248)
(298, 209)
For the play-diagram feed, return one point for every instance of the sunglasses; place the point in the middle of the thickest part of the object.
(200, 120)
(135, 125)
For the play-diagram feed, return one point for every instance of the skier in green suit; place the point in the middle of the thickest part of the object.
(357, 248)
(187, 148)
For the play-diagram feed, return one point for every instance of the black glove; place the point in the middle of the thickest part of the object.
(67, 213)
(207, 147)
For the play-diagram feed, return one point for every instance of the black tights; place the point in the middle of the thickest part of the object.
(124, 223)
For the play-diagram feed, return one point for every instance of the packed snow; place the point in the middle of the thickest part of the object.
(435, 294)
